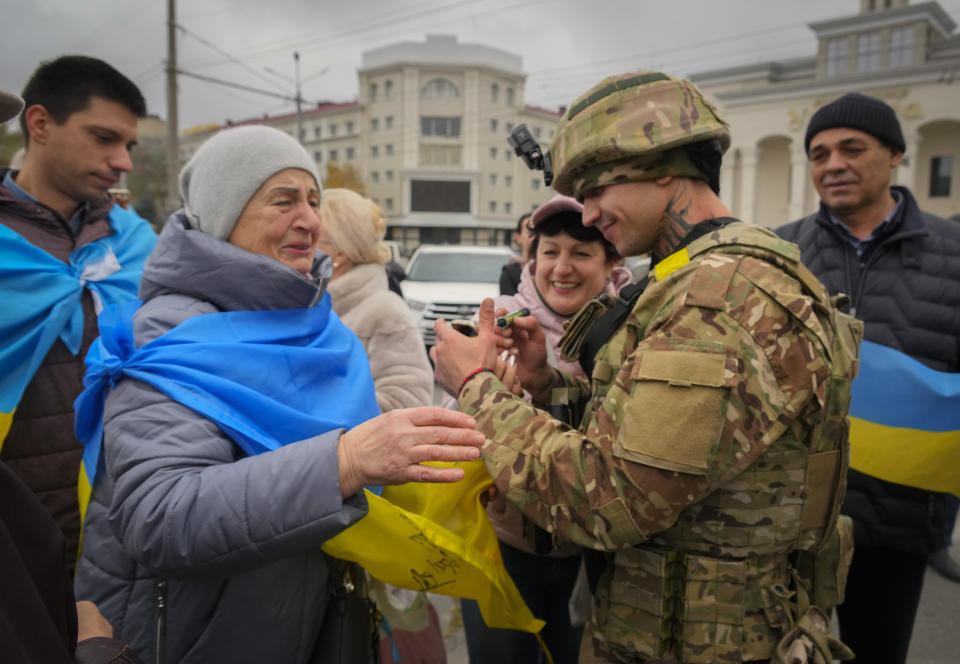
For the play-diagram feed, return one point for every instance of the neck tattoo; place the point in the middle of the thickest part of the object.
(675, 223)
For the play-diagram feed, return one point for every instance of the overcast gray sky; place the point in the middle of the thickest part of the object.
(566, 45)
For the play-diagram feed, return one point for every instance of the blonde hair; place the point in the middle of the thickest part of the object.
(355, 226)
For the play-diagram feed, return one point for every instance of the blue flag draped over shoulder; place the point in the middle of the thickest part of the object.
(905, 421)
(270, 378)
(42, 296)
(265, 378)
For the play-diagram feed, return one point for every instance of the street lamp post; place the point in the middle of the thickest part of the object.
(296, 62)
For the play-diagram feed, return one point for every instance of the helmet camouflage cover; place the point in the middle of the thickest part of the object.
(628, 122)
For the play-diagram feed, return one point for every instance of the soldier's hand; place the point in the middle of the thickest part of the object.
(529, 345)
(455, 355)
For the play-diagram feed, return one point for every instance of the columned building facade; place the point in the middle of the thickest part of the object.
(906, 54)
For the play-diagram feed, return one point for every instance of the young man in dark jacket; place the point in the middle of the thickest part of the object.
(66, 250)
(901, 268)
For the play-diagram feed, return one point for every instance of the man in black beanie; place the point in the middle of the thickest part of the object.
(901, 268)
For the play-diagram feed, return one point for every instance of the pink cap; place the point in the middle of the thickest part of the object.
(555, 205)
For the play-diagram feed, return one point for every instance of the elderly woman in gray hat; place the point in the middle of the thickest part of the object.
(230, 422)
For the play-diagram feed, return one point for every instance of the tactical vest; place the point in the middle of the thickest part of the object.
(716, 586)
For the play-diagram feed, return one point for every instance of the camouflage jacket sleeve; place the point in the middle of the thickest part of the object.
(709, 370)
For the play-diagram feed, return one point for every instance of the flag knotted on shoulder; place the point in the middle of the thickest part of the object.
(272, 378)
(265, 378)
(42, 296)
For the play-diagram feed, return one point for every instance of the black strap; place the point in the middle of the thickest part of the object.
(611, 320)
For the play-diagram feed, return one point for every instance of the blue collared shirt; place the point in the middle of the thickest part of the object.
(25, 195)
(862, 245)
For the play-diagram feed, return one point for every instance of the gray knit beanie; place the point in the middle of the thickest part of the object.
(227, 170)
(856, 111)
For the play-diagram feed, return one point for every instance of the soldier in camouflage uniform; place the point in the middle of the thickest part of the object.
(707, 452)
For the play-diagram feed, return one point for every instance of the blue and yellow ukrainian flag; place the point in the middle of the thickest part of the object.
(42, 297)
(271, 378)
(905, 421)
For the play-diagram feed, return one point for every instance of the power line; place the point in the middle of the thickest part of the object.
(238, 86)
(219, 50)
(338, 36)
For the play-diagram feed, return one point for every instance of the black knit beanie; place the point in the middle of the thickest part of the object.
(857, 111)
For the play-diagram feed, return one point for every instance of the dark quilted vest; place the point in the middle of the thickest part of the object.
(40, 447)
(906, 290)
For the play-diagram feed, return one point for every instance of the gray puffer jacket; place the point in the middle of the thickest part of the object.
(185, 532)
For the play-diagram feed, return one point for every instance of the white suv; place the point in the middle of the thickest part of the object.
(450, 281)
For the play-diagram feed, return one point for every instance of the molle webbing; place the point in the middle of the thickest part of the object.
(699, 608)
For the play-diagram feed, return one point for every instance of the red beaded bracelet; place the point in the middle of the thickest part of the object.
(471, 375)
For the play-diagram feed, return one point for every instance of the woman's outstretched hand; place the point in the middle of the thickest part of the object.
(391, 448)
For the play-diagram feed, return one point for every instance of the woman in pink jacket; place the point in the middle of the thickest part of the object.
(571, 264)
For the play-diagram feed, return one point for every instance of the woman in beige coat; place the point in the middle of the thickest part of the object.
(351, 234)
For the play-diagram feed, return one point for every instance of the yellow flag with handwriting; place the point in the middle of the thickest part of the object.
(437, 538)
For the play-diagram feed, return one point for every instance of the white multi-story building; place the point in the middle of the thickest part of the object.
(907, 55)
(427, 136)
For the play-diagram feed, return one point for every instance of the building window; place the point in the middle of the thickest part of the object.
(438, 126)
(351, 153)
(387, 89)
(440, 88)
(508, 180)
(837, 56)
(389, 202)
(374, 176)
(303, 134)
(509, 154)
(388, 122)
(509, 96)
(493, 207)
(901, 47)
(439, 196)
(535, 183)
(350, 127)
(317, 156)
(536, 132)
(373, 92)
(493, 179)
(868, 52)
(333, 155)
(941, 175)
(439, 155)
(493, 124)
(317, 132)
(389, 175)
(333, 130)
(374, 124)
(374, 151)
(493, 153)
(509, 126)
(389, 149)
(507, 207)
(494, 93)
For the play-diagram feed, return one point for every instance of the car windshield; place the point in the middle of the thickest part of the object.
(453, 266)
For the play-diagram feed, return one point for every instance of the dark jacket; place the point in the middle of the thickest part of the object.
(38, 615)
(230, 543)
(906, 289)
(510, 275)
(40, 447)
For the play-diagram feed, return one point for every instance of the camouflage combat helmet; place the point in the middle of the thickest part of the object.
(632, 120)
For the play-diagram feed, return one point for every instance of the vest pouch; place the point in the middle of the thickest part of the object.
(825, 571)
(713, 610)
(644, 593)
